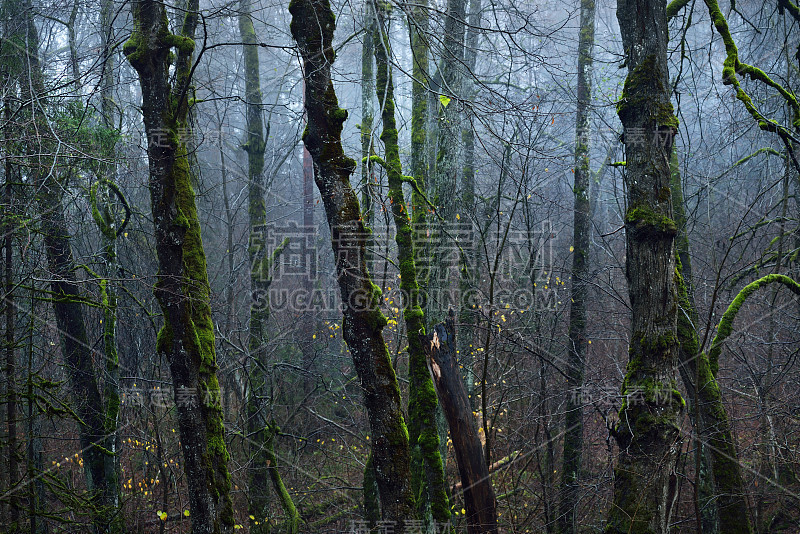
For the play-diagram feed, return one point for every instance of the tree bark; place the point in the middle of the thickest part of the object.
(312, 27)
(182, 289)
(258, 488)
(446, 176)
(581, 232)
(367, 117)
(430, 488)
(67, 306)
(10, 319)
(479, 497)
(648, 433)
(727, 504)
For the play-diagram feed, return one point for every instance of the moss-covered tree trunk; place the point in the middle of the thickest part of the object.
(367, 117)
(103, 195)
(105, 216)
(648, 433)
(726, 510)
(430, 489)
(257, 416)
(312, 27)
(182, 289)
(581, 232)
(372, 511)
(688, 356)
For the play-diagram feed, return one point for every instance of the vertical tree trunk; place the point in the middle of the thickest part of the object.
(10, 319)
(431, 488)
(581, 232)
(35, 462)
(648, 433)
(258, 488)
(182, 289)
(312, 27)
(371, 504)
(446, 175)
(110, 229)
(468, 312)
(367, 112)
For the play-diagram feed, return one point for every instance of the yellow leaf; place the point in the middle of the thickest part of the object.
(186, 513)
(444, 100)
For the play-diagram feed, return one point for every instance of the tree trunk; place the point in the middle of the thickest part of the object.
(67, 307)
(727, 505)
(111, 229)
(581, 232)
(479, 498)
(312, 27)
(258, 488)
(431, 488)
(182, 289)
(648, 433)
(367, 116)
(445, 178)
(467, 307)
(10, 316)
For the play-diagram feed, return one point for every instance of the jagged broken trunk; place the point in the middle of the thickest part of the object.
(312, 28)
(479, 497)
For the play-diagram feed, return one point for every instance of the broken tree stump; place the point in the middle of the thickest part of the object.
(479, 498)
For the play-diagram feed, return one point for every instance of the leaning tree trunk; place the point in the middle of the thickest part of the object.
(648, 433)
(431, 487)
(728, 504)
(67, 297)
(312, 27)
(479, 497)
(581, 231)
(182, 289)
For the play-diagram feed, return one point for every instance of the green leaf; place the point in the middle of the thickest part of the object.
(444, 100)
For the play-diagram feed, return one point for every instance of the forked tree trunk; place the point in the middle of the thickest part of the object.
(182, 289)
(648, 433)
(312, 27)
